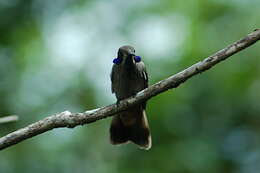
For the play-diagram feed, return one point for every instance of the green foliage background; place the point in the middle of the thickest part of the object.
(57, 55)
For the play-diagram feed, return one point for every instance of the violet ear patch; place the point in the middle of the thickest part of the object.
(137, 58)
(117, 60)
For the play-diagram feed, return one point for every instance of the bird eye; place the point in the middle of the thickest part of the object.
(120, 54)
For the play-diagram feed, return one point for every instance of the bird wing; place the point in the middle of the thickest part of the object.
(144, 75)
(112, 77)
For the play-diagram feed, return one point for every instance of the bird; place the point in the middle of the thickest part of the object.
(128, 77)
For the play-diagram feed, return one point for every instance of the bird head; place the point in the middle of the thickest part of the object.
(126, 55)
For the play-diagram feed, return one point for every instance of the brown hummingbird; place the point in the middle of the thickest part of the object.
(128, 77)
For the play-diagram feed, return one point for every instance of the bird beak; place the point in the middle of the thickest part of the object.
(132, 56)
(130, 59)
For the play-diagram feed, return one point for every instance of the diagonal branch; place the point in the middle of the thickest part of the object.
(70, 120)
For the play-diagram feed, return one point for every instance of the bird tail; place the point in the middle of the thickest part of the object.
(131, 125)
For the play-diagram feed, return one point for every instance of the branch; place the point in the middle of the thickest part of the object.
(70, 120)
(8, 119)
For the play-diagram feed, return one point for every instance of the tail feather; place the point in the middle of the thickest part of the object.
(137, 131)
(118, 133)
